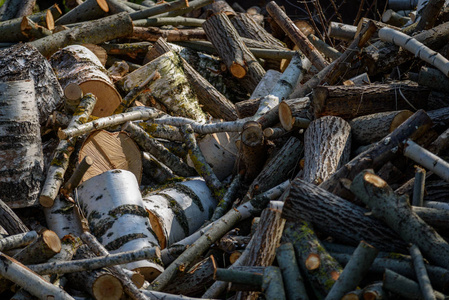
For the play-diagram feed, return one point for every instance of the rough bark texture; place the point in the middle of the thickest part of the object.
(93, 32)
(327, 143)
(86, 11)
(21, 158)
(77, 64)
(339, 218)
(371, 128)
(24, 62)
(238, 59)
(364, 100)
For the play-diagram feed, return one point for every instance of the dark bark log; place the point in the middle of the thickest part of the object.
(88, 10)
(10, 221)
(238, 59)
(363, 100)
(339, 218)
(327, 143)
(383, 151)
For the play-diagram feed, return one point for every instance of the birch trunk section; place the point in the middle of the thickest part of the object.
(171, 88)
(76, 64)
(327, 147)
(179, 210)
(118, 218)
(21, 158)
(25, 62)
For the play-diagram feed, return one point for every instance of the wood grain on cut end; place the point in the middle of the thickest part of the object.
(375, 180)
(237, 70)
(148, 272)
(46, 201)
(49, 20)
(52, 240)
(313, 261)
(285, 116)
(73, 92)
(157, 228)
(399, 119)
(107, 287)
(234, 256)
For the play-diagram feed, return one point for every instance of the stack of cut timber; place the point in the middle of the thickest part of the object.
(218, 149)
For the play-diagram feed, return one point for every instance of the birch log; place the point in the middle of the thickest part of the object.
(179, 210)
(99, 283)
(396, 212)
(117, 216)
(415, 47)
(25, 62)
(77, 64)
(30, 281)
(21, 157)
(171, 88)
(327, 145)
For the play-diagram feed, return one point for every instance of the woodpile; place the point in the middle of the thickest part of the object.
(221, 150)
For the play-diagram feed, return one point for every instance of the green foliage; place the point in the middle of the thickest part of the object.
(2, 2)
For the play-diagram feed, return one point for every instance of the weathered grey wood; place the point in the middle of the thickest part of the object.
(239, 60)
(421, 273)
(159, 9)
(88, 10)
(21, 157)
(327, 145)
(339, 218)
(396, 212)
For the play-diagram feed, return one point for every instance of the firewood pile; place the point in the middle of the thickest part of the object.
(201, 149)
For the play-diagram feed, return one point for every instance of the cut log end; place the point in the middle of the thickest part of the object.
(157, 228)
(313, 262)
(103, 5)
(107, 287)
(49, 20)
(234, 256)
(237, 70)
(52, 240)
(73, 92)
(285, 116)
(399, 119)
(24, 24)
(138, 279)
(252, 134)
(108, 97)
(374, 180)
(46, 201)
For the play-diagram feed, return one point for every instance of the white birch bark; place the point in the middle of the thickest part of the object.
(21, 158)
(417, 48)
(179, 210)
(77, 64)
(118, 218)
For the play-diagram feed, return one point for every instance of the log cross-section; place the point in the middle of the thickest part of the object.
(237, 57)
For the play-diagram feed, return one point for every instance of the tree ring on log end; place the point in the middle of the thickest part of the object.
(237, 70)
(102, 90)
(285, 116)
(107, 287)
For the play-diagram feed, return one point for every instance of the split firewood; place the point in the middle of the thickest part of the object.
(60, 161)
(77, 64)
(114, 209)
(22, 158)
(92, 32)
(238, 59)
(368, 99)
(400, 217)
(327, 143)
